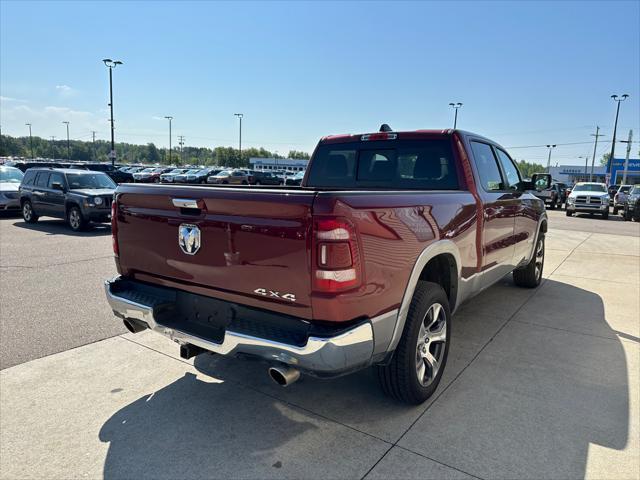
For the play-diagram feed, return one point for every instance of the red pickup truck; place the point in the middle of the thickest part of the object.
(361, 265)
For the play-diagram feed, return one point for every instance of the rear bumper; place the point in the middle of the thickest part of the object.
(323, 356)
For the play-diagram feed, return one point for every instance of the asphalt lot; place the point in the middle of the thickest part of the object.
(539, 383)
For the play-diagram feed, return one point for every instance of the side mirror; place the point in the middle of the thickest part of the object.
(541, 181)
(57, 186)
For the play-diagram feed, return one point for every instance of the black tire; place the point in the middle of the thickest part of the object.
(530, 275)
(615, 210)
(75, 219)
(552, 205)
(399, 378)
(569, 213)
(625, 215)
(28, 214)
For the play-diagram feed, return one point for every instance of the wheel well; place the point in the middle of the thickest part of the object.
(543, 227)
(68, 205)
(442, 269)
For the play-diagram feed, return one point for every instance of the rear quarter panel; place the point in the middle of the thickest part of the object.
(394, 228)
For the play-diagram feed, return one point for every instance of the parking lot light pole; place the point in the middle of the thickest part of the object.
(240, 115)
(619, 100)
(30, 139)
(455, 106)
(68, 148)
(111, 64)
(169, 118)
(626, 159)
(550, 147)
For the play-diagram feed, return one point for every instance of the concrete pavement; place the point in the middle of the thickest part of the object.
(539, 384)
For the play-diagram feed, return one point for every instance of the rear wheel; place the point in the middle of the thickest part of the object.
(605, 215)
(418, 362)
(552, 205)
(530, 275)
(75, 219)
(28, 214)
(615, 210)
(569, 214)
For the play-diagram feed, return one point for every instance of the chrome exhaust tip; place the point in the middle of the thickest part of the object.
(284, 375)
(134, 326)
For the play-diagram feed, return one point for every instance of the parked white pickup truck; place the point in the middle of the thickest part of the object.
(588, 197)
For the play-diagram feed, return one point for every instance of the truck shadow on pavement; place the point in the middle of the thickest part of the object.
(522, 397)
(60, 227)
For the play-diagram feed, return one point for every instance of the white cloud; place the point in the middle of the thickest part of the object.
(10, 100)
(48, 120)
(65, 90)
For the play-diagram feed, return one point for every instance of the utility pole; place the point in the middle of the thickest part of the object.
(30, 139)
(93, 134)
(615, 128)
(626, 159)
(595, 145)
(68, 146)
(53, 151)
(240, 115)
(181, 143)
(169, 118)
(550, 147)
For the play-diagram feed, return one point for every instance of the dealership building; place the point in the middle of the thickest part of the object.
(576, 173)
(286, 164)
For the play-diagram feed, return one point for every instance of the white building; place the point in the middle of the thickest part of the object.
(287, 164)
(576, 173)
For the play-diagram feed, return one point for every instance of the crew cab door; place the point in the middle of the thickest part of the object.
(500, 206)
(38, 193)
(53, 198)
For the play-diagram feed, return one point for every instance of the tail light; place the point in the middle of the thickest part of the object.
(114, 226)
(336, 255)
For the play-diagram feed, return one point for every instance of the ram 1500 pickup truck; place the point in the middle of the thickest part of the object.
(361, 265)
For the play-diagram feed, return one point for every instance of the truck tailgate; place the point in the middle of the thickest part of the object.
(254, 243)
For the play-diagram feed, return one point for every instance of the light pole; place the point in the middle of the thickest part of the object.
(626, 159)
(240, 115)
(455, 106)
(169, 118)
(550, 147)
(615, 127)
(53, 151)
(30, 140)
(595, 145)
(68, 149)
(111, 64)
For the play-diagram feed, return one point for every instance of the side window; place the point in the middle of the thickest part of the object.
(55, 178)
(42, 180)
(509, 169)
(487, 166)
(28, 178)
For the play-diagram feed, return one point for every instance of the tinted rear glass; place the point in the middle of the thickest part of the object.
(401, 164)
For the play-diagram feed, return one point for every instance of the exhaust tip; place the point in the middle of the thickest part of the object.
(134, 326)
(284, 376)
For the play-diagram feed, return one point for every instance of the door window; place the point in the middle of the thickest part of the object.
(42, 180)
(55, 178)
(487, 165)
(510, 170)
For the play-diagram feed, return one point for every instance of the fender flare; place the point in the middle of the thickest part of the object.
(437, 248)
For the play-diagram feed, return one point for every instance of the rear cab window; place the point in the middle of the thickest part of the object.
(424, 164)
(42, 179)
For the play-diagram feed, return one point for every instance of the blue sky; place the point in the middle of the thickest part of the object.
(528, 73)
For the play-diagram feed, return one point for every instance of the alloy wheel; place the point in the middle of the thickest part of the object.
(430, 348)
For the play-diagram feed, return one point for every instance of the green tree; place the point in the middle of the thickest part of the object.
(152, 153)
(298, 155)
(605, 159)
(527, 169)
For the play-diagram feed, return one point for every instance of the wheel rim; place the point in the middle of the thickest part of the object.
(26, 211)
(74, 219)
(539, 258)
(430, 348)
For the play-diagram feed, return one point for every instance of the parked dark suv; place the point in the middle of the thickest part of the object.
(78, 196)
(114, 173)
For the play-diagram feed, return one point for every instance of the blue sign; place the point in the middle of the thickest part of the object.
(617, 169)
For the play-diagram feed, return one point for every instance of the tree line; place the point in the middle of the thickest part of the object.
(87, 151)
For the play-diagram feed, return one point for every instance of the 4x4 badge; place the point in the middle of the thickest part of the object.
(270, 293)
(189, 238)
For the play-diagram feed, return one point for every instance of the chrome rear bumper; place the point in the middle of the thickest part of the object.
(321, 356)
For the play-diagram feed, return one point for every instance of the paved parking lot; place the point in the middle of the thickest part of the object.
(539, 384)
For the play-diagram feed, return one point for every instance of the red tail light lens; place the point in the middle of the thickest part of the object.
(114, 227)
(336, 262)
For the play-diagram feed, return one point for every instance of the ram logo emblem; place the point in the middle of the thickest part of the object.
(189, 238)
